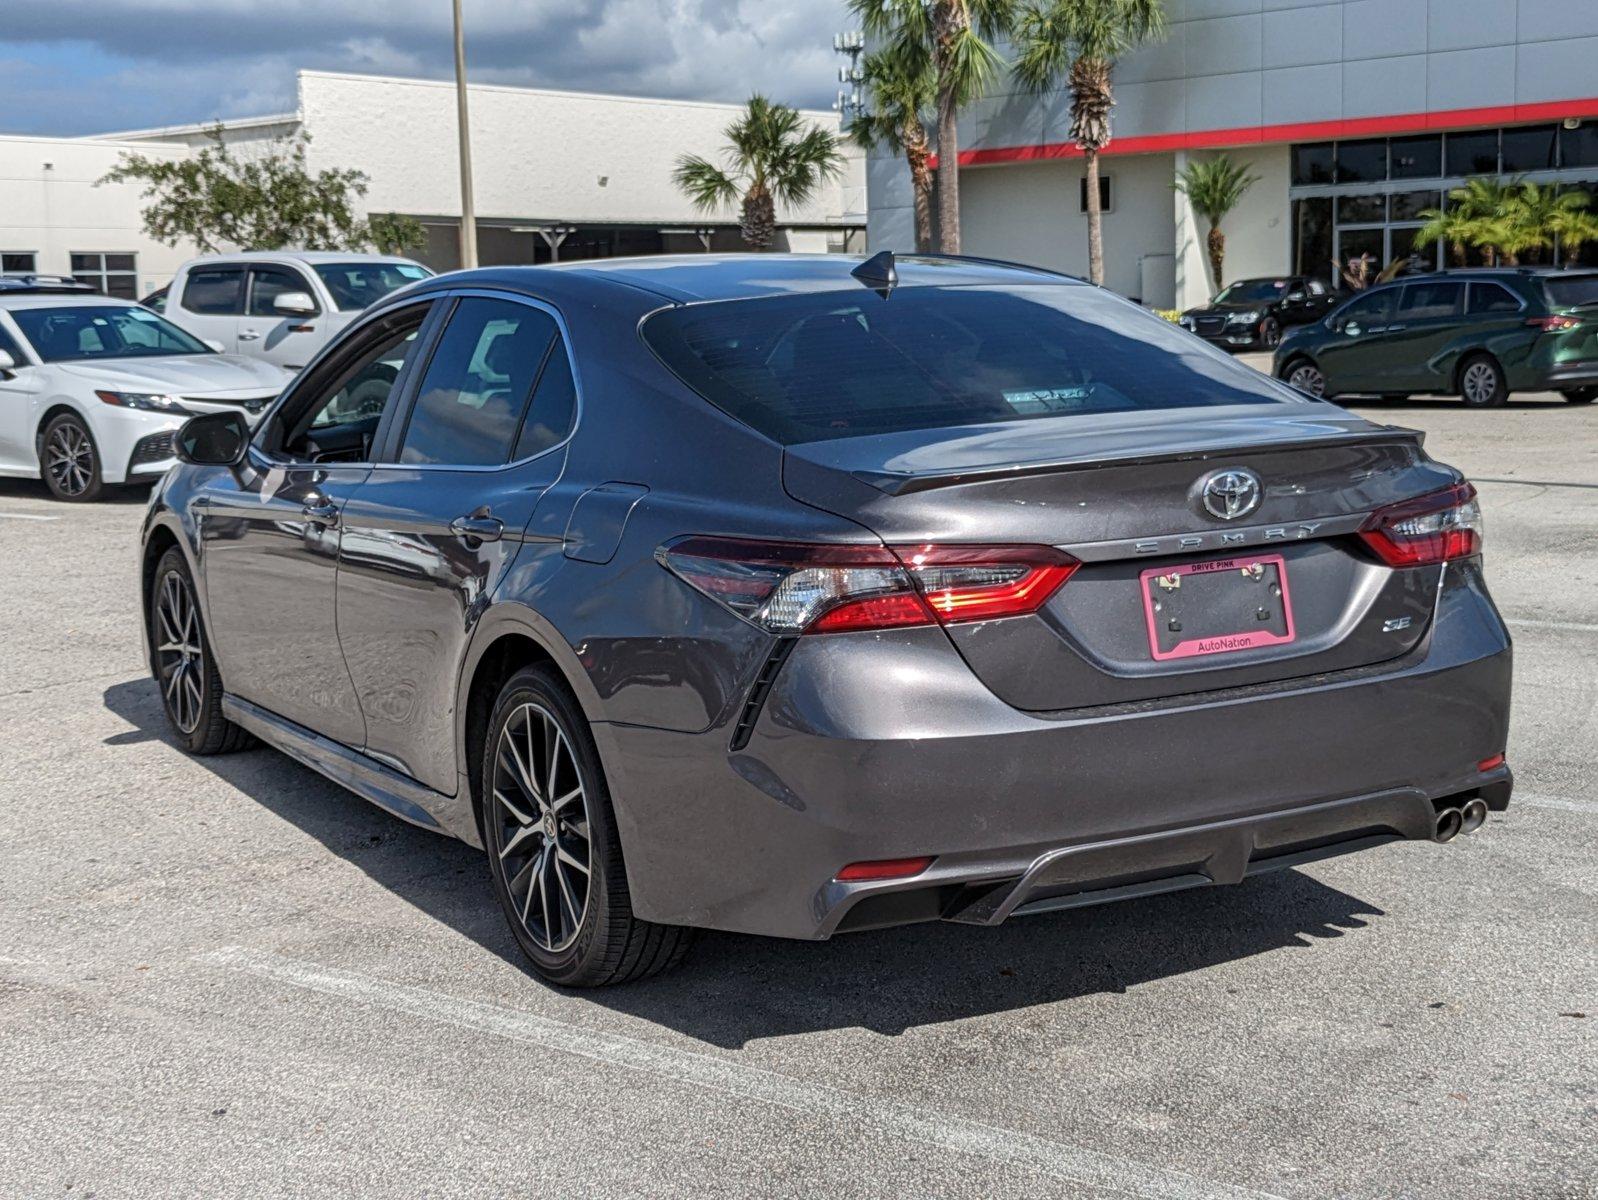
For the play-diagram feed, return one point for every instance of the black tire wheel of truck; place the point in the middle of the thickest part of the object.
(553, 851)
(1580, 395)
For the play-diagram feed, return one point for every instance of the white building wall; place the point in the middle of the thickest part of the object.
(52, 204)
(1031, 213)
(1259, 238)
(537, 155)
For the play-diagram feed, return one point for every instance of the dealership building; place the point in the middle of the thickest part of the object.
(557, 175)
(1356, 115)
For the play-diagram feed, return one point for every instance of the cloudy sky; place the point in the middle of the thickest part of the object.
(86, 66)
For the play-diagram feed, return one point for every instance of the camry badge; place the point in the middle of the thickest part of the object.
(1231, 493)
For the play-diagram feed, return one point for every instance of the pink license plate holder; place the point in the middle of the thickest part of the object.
(1240, 587)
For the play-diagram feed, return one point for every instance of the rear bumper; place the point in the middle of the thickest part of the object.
(876, 747)
(1572, 375)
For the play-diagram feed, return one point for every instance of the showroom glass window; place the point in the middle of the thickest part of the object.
(110, 274)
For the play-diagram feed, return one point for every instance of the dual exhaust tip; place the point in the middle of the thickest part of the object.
(1467, 818)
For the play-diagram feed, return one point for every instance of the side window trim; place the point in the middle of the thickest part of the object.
(392, 437)
(330, 366)
(239, 301)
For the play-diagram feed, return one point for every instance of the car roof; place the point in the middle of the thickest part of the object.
(311, 257)
(18, 300)
(688, 278)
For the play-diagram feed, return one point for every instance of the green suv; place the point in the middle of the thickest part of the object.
(1477, 334)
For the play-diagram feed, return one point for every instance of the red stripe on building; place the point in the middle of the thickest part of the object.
(1303, 131)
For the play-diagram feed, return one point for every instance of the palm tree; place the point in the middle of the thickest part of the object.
(1576, 225)
(1214, 186)
(901, 89)
(953, 38)
(1482, 205)
(1083, 38)
(771, 157)
(1452, 226)
(1534, 216)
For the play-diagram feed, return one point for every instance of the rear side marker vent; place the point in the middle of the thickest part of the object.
(757, 694)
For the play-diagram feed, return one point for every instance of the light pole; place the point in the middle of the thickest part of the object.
(468, 208)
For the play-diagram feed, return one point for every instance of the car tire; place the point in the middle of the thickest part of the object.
(69, 460)
(538, 768)
(1482, 383)
(1581, 395)
(1270, 333)
(1304, 375)
(183, 664)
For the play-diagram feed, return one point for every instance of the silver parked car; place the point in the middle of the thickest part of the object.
(798, 595)
(281, 306)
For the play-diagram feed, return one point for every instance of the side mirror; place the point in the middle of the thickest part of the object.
(213, 440)
(1295, 297)
(7, 364)
(215, 345)
(294, 304)
(1351, 328)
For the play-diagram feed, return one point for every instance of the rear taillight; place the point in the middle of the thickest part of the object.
(790, 588)
(1555, 324)
(1434, 528)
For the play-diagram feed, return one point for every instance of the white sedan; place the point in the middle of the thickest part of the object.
(92, 389)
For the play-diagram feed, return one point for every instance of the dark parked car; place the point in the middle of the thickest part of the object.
(797, 595)
(1478, 334)
(1252, 313)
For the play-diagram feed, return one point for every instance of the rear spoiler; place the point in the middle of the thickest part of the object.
(895, 483)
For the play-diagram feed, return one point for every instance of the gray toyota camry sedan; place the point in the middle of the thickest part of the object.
(804, 594)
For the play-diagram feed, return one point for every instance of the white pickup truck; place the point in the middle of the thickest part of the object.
(281, 306)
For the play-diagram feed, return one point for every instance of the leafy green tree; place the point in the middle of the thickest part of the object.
(1451, 226)
(1081, 40)
(952, 38)
(771, 156)
(900, 89)
(1533, 216)
(1214, 186)
(1576, 225)
(266, 200)
(395, 233)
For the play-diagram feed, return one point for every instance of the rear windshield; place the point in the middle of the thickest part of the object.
(358, 285)
(815, 367)
(1572, 291)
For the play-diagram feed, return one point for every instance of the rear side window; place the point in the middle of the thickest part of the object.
(474, 393)
(844, 364)
(1425, 300)
(549, 416)
(1572, 291)
(215, 291)
(1492, 298)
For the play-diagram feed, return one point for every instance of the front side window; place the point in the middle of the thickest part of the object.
(356, 285)
(1366, 311)
(67, 334)
(110, 274)
(472, 398)
(214, 291)
(1492, 298)
(835, 365)
(268, 283)
(1423, 301)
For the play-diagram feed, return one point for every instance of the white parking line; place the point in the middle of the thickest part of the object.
(1568, 626)
(1091, 1168)
(5, 516)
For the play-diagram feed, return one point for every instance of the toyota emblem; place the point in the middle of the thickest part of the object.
(1231, 493)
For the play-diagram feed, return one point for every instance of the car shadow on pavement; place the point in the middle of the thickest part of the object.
(734, 989)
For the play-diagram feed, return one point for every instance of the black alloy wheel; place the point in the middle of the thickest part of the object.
(553, 850)
(1270, 333)
(181, 660)
(70, 461)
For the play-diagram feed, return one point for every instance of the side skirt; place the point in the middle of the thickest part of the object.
(366, 777)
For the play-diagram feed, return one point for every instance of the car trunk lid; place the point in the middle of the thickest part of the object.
(1121, 492)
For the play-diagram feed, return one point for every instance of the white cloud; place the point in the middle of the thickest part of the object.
(196, 59)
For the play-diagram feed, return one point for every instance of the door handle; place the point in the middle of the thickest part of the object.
(477, 529)
(248, 335)
(321, 512)
(1395, 329)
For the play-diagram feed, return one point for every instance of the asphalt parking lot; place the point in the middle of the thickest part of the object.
(227, 977)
